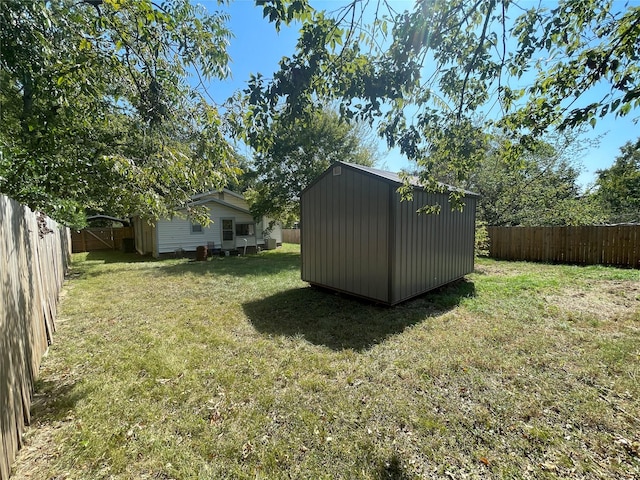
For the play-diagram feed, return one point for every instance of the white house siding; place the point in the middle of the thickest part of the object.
(176, 233)
(275, 232)
(169, 235)
(234, 200)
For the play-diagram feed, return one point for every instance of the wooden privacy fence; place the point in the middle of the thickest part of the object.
(92, 239)
(591, 245)
(291, 235)
(34, 255)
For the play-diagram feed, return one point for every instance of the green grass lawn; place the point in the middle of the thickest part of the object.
(235, 368)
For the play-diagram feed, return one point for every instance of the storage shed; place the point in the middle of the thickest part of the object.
(358, 237)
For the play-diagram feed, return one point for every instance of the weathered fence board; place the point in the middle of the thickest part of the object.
(34, 255)
(589, 245)
(291, 235)
(106, 238)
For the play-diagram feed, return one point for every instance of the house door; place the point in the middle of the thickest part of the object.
(228, 234)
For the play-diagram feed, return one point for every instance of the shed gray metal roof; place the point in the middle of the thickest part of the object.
(395, 178)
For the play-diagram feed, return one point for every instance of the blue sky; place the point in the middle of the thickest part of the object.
(257, 48)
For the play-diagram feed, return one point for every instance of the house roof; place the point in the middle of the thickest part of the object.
(204, 200)
(212, 197)
(395, 178)
(216, 192)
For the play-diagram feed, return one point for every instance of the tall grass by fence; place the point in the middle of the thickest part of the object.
(291, 235)
(34, 255)
(591, 245)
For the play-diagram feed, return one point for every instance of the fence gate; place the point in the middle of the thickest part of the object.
(93, 239)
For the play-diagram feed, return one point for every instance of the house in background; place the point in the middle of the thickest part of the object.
(358, 237)
(232, 227)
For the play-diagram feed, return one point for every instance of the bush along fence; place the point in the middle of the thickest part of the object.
(590, 245)
(34, 255)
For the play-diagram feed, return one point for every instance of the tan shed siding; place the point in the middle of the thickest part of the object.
(154, 233)
(138, 235)
(430, 250)
(344, 237)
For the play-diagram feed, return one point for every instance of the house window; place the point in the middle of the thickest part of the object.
(245, 229)
(196, 228)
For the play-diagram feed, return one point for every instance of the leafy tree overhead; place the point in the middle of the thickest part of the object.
(424, 75)
(290, 155)
(103, 107)
(619, 186)
(97, 112)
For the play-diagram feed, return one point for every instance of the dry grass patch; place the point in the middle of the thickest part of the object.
(234, 368)
(605, 300)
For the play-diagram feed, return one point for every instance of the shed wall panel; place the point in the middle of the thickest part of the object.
(358, 236)
(432, 249)
(344, 239)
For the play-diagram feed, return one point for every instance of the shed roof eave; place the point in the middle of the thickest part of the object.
(395, 178)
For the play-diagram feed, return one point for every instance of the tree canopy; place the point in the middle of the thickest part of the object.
(291, 154)
(540, 189)
(98, 108)
(424, 75)
(103, 105)
(619, 186)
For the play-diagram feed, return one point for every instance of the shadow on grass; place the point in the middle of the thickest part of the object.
(53, 400)
(114, 256)
(256, 264)
(392, 470)
(340, 322)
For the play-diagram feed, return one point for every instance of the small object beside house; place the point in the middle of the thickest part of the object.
(201, 253)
